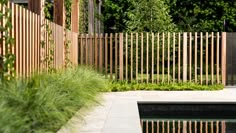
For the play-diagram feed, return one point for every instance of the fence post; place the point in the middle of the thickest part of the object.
(223, 58)
(185, 56)
(75, 16)
(121, 55)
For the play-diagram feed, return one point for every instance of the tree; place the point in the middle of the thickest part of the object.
(115, 14)
(200, 15)
(149, 16)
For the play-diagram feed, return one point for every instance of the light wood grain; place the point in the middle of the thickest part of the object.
(207, 58)
(147, 63)
(152, 71)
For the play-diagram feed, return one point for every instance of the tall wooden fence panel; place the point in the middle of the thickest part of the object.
(30, 49)
(156, 57)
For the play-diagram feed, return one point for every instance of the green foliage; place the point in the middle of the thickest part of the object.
(49, 58)
(83, 16)
(67, 5)
(137, 15)
(115, 15)
(125, 86)
(149, 16)
(44, 103)
(196, 16)
(68, 63)
(7, 61)
(47, 10)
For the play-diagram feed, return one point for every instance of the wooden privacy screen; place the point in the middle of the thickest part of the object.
(165, 126)
(28, 48)
(156, 57)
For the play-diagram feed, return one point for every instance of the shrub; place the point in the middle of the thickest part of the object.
(125, 86)
(44, 103)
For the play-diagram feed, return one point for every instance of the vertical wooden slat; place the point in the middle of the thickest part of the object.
(126, 55)
(163, 56)
(190, 56)
(152, 57)
(218, 58)
(116, 57)
(81, 49)
(38, 50)
(30, 42)
(141, 57)
(206, 127)
(201, 126)
(137, 56)
(55, 42)
(106, 53)
(158, 57)
(28, 35)
(223, 58)
(168, 127)
(111, 46)
(46, 47)
(195, 127)
(147, 50)
(185, 60)
(153, 127)
(16, 32)
(24, 42)
(212, 127)
(121, 56)
(217, 126)
(101, 53)
(178, 126)
(223, 127)
(33, 42)
(87, 50)
(173, 57)
(212, 58)
(20, 41)
(201, 56)
(131, 57)
(190, 127)
(207, 58)
(195, 50)
(184, 127)
(96, 51)
(91, 49)
(173, 126)
(158, 126)
(179, 57)
(163, 126)
(168, 58)
(147, 126)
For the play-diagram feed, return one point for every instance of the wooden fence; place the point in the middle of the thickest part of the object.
(156, 57)
(164, 126)
(28, 35)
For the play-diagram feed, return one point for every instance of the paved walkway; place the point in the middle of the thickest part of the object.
(118, 112)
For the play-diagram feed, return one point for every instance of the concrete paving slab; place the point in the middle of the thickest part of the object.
(118, 112)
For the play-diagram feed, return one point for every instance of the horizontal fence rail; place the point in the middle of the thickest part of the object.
(177, 126)
(156, 57)
(28, 36)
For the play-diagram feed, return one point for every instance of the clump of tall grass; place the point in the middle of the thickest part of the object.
(45, 102)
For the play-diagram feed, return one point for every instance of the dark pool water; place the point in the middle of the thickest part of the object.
(188, 117)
